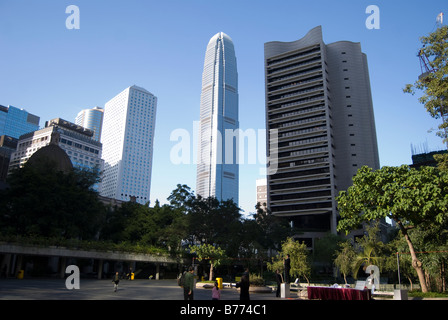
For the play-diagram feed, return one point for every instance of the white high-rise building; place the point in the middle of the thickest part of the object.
(91, 119)
(128, 137)
(217, 170)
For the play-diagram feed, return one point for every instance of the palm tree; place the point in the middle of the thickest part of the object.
(365, 258)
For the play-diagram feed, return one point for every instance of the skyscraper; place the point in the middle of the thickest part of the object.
(318, 99)
(14, 121)
(217, 169)
(91, 119)
(127, 137)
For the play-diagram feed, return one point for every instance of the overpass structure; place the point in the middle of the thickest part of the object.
(17, 251)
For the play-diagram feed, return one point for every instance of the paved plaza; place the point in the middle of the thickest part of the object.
(35, 296)
(92, 289)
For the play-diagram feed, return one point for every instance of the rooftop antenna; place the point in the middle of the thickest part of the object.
(427, 69)
(439, 19)
(425, 65)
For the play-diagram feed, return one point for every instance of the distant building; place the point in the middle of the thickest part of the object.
(14, 122)
(128, 142)
(83, 151)
(91, 119)
(425, 159)
(318, 101)
(7, 146)
(262, 195)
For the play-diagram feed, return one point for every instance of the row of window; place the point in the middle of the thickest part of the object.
(79, 146)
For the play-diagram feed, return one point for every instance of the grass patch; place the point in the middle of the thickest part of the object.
(419, 294)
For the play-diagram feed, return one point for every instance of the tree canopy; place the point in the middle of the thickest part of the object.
(300, 264)
(406, 195)
(42, 200)
(434, 82)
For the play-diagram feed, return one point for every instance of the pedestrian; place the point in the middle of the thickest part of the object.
(287, 263)
(244, 287)
(116, 280)
(279, 279)
(216, 293)
(189, 284)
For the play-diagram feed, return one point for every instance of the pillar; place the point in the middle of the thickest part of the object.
(62, 266)
(18, 264)
(100, 269)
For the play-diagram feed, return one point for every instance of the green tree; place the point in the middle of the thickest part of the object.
(370, 250)
(271, 229)
(42, 200)
(212, 221)
(214, 254)
(298, 253)
(432, 242)
(434, 83)
(408, 196)
(325, 248)
(345, 258)
(169, 225)
(396, 260)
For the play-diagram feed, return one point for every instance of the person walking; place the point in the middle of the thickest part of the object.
(279, 279)
(116, 280)
(244, 287)
(189, 284)
(216, 293)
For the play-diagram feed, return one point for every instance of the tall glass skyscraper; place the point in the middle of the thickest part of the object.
(91, 119)
(127, 137)
(14, 121)
(217, 169)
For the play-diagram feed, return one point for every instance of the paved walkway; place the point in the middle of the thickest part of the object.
(91, 289)
(33, 296)
(139, 289)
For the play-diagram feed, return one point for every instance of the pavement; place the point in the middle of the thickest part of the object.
(93, 289)
(164, 298)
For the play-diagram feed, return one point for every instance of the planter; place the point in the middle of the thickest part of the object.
(261, 289)
(400, 294)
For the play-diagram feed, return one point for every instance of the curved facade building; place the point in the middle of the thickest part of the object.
(91, 119)
(318, 99)
(217, 169)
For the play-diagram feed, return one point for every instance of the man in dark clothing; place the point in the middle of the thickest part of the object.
(287, 263)
(279, 279)
(189, 284)
(244, 287)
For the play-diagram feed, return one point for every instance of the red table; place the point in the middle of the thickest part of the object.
(328, 293)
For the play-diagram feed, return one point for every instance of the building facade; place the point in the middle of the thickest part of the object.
(217, 169)
(91, 119)
(83, 151)
(128, 138)
(319, 104)
(262, 195)
(7, 146)
(14, 121)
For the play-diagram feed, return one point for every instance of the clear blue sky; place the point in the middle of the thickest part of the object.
(52, 71)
